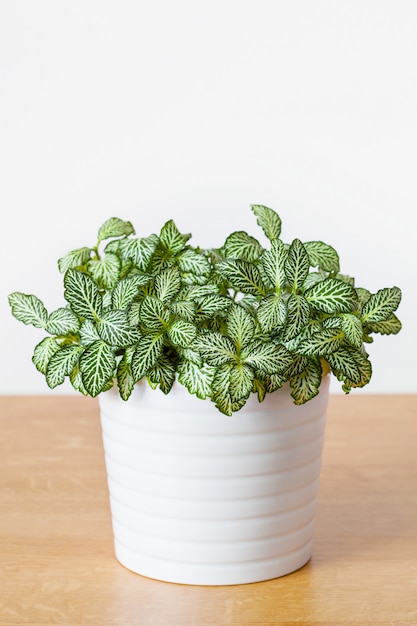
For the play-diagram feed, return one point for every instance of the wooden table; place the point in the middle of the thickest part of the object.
(56, 552)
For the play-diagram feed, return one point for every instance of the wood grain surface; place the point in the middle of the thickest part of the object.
(57, 564)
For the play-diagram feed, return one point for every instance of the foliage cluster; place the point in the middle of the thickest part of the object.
(225, 322)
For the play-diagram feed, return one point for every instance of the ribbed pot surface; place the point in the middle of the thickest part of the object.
(201, 498)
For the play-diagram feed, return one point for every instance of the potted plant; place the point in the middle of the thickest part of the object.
(212, 370)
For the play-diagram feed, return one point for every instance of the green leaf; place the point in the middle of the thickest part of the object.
(77, 381)
(273, 263)
(381, 305)
(321, 343)
(115, 329)
(82, 294)
(127, 289)
(172, 239)
(268, 220)
(272, 313)
(242, 276)
(197, 379)
(74, 259)
(139, 251)
(115, 227)
(148, 350)
(62, 322)
(97, 366)
(43, 353)
(240, 245)
(331, 296)
(352, 327)
(125, 379)
(215, 348)
(268, 357)
(323, 256)
(298, 313)
(28, 309)
(305, 385)
(167, 284)
(182, 333)
(61, 364)
(297, 265)
(240, 326)
(153, 314)
(391, 326)
(105, 271)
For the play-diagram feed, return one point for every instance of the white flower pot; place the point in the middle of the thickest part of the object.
(201, 498)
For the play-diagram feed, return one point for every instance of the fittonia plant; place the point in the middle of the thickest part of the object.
(225, 322)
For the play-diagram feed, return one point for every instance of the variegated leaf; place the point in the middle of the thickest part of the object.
(323, 256)
(74, 259)
(272, 313)
(171, 238)
(242, 276)
(182, 333)
(321, 343)
(61, 364)
(97, 366)
(62, 322)
(105, 271)
(77, 381)
(193, 262)
(267, 357)
(28, 309)
(273, 263)
(183, 309)
(197, 379)
(297, 265)
(139, 251)
(391, 326)
(167, 284)
(215, 348)
(127, 289)
(298, 312)
(352, 327)
(115, 329)
(305, 385)
(241, 381)
(240, 245)
(331, 296)
(115, 227)
(83, 295)
(381, 305)
(153, 314)
(125, 379)
(43, 353)
(364, 368)
(344, 365)
(163, 374)
(268, 220)
(240, 326)
(211, 305)
(88, 333)
(148, 350)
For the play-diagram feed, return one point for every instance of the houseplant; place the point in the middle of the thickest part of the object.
(222, 333)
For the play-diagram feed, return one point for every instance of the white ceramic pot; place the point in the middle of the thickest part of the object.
(201, 498)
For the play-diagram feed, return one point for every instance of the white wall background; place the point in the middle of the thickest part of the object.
(194, 110)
